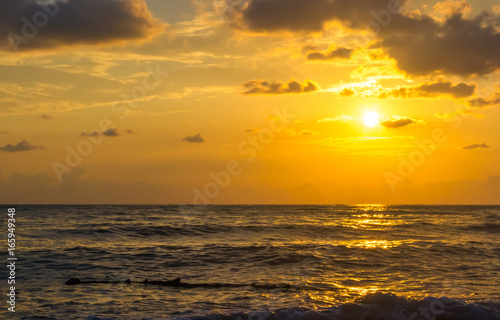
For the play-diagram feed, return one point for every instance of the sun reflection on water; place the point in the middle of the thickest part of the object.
(374, 244)
(371, 207)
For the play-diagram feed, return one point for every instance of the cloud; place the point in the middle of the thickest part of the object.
(398, 122)
(431, 89)
(460, 90)
(347, 92)
(476, 146)
(300, 15)
(339, 53)
(265, 87)
(419, 43)
(195, 139)
(21, 146)
(73, 22)
(458, 46)
(339, 118)
(46, 117)
(130, 131)
(307, 132)
(450, 8)
(4, 132)
(109, 133)
(482, 102)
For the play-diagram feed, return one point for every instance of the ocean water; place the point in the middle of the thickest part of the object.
(256, 262)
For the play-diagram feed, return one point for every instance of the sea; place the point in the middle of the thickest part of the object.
(253, 262)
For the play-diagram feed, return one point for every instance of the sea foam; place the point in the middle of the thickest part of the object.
(376, 306)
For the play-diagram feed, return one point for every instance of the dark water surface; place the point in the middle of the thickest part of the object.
(314, 257)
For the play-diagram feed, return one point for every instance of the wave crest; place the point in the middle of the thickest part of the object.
(377, 306)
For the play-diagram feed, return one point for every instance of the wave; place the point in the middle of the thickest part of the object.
(339, 230)
(489, 227)
(373, 306)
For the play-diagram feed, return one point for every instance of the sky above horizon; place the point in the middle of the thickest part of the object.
(249, 101)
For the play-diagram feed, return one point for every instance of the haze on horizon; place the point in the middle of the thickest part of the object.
(249, 101)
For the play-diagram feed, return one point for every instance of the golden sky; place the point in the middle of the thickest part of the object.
(249, 101)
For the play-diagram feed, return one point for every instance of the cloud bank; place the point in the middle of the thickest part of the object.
(431, 89)
(113, 132)
(339, 53)
(484, 103)
(266, 87)
(420, 43)
(21, 146)
(31, 24)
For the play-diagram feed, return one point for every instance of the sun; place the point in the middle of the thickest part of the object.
(371, 119)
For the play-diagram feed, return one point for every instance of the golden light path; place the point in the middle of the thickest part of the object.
(369, 217)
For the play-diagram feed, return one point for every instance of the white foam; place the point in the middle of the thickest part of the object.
(377, 306)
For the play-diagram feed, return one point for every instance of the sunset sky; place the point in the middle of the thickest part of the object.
(301, 101)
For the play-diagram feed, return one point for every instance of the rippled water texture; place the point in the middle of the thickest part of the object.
(312, 257)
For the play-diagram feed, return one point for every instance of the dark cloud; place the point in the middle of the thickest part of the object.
(483, 103)
(109, 133)
(476, 146)
(293, 15)
(129, 131)
(339, 53)
(460, 90)
(4, 132)
(308, 16)
(46, 117)
(21, 146)
(419, 43)
(398, 123)
(431, 89)
(266, 87)
(71, 22)
(195, 139)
